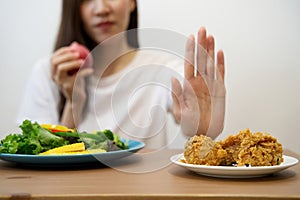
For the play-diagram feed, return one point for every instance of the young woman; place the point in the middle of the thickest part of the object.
(131, 91)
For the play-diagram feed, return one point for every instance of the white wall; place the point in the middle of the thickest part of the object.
(260, 40)
(28, 30)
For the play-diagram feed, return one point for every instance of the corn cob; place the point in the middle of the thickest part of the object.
(76, 147)
(78, 152)
(56, 128)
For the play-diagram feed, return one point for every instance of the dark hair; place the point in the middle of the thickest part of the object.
(71, 27)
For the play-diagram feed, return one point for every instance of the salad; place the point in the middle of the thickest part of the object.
(40, 138)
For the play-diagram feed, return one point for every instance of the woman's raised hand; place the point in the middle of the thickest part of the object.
(199, 105)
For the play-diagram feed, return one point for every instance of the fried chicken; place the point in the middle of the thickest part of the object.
(244, 148)
(202, 150)
(255, 149)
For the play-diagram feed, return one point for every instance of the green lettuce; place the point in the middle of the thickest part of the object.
(105, 139)
(33, 140)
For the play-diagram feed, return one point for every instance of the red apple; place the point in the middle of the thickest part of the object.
(84, 54)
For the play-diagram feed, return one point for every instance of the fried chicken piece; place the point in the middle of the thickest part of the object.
(202, 150)
(244, 148)
(255, 149)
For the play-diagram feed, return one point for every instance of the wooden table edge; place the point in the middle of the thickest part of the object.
(26, 196)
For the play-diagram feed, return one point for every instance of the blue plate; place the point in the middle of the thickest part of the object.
(49, 160)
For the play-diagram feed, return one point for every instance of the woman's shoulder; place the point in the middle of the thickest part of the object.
(43, 65)
(42, 69)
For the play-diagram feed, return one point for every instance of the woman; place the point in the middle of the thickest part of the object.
(106, 96)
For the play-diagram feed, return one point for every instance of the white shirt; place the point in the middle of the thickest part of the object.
(133, 102)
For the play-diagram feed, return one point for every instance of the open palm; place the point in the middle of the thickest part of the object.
(199, 105)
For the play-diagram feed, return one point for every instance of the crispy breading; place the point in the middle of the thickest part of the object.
(203, 150)
(244, 148)
(255, 149)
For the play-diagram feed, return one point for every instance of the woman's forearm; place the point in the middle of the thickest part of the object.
(72, 113)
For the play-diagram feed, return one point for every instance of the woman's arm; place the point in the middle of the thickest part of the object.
(40, 99)
(70, 80)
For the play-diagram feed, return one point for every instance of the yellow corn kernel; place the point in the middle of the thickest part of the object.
(65, 149)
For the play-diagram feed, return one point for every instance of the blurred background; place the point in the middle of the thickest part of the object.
(260, 40)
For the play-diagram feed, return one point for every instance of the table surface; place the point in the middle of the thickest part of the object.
(141, 179)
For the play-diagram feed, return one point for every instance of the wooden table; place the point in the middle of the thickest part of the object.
(167, 181)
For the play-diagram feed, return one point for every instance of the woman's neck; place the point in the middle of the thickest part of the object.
(116, 55)
(119, 64)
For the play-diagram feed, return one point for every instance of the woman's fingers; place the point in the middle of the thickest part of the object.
(201, 51)
(64, 54)
(63, 69)
(54, 56)
(211, 47)
(220, 65)
(210, 65)
(189, 58)
(176, 94)
(65, 58)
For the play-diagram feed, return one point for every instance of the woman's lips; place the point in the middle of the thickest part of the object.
(104, 25)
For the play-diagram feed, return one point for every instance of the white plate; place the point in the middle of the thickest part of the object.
(235, 172)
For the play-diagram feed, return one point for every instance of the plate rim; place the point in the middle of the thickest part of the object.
(293, 161)
(40, 159)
